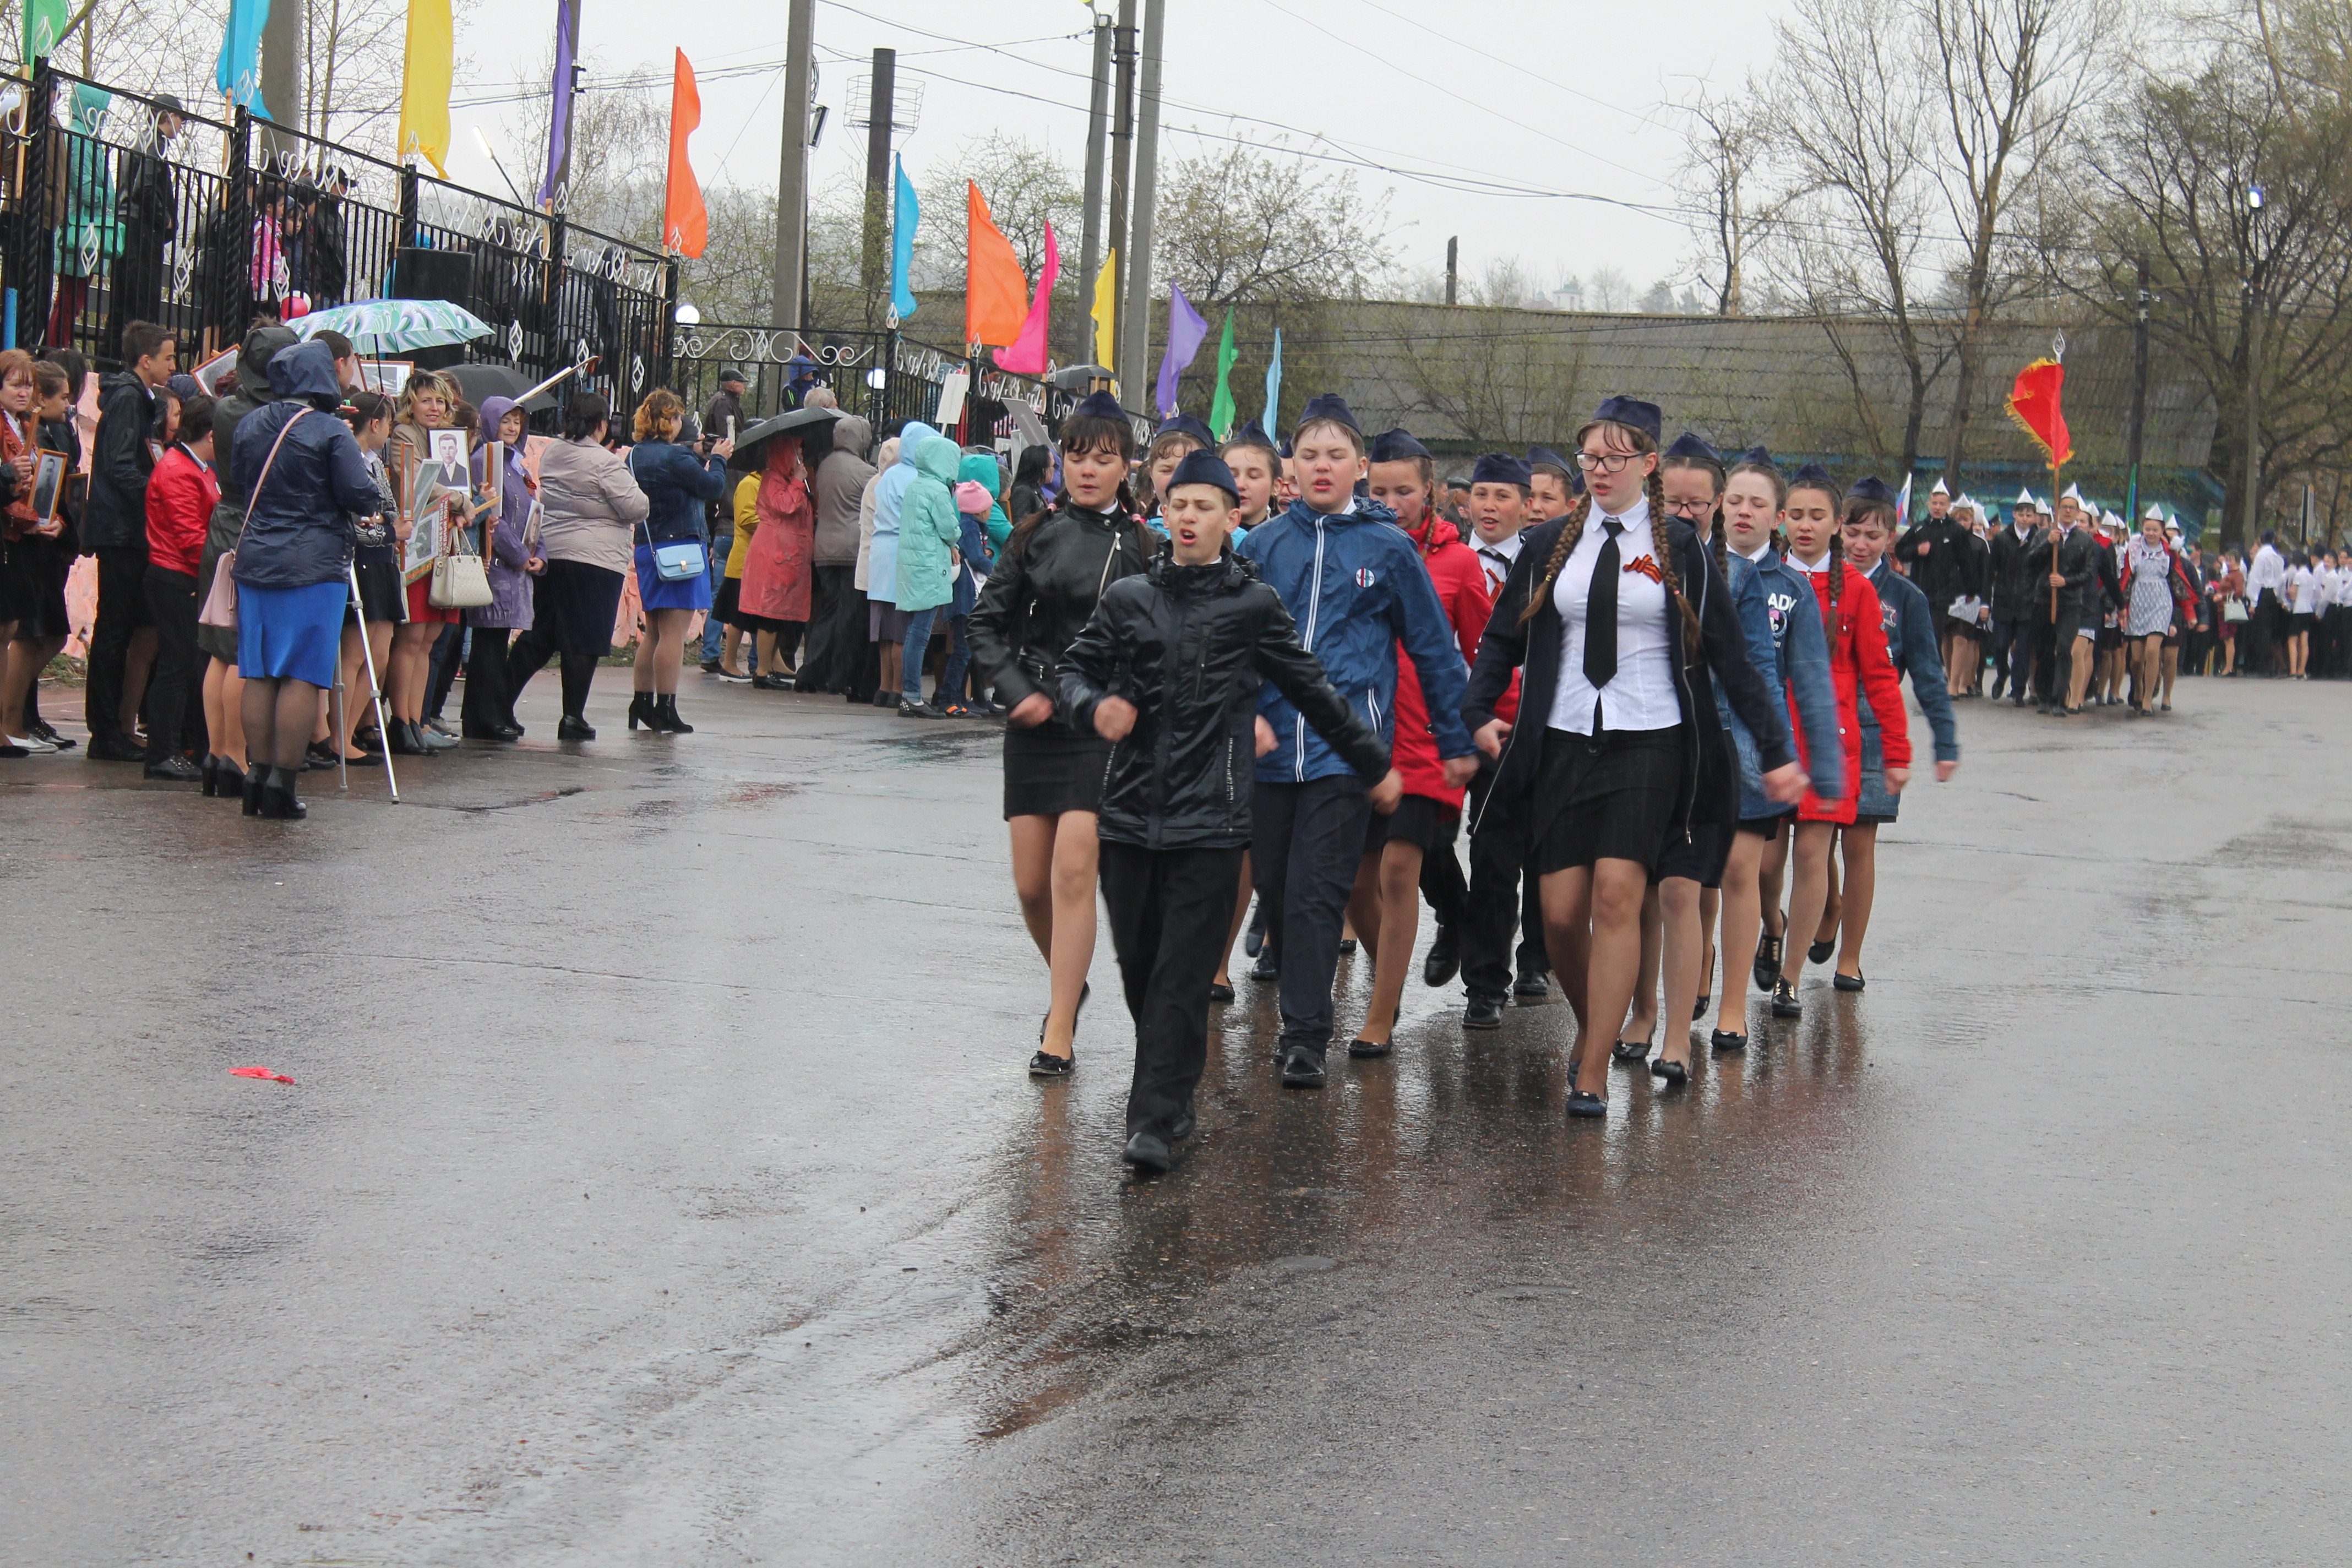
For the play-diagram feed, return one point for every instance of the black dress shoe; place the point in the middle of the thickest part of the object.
(1847, 981)
(1676, 1074)
(174, 769)
(572, 727)
(1483, 1013)
(1220, 994)
(115, 749)
(1532, 982)
(1444, 960)
(1630, 1050)
(1267, 968)
(1768, 961)
(919, 711)
(365, 760)
(1148, 1151)
(404, 740)
(1254, 938)
(1820, 952)
(1365, 1050)
(1302, 1068)
(1698, 1009)
(1182, 1128)
(1784, 1000)
(1346, 945)
(211, 776)
(1725, 1040)
(509, 730)
(1582, 1102)
(475, 732)
(255, 782)
(313, 763)
(1043, 1065)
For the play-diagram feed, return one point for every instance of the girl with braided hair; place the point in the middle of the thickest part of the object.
(1622, 625)
(1853, 623)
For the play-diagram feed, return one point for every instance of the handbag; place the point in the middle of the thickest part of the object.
(2234, 611)
(460, 581)
(220, 597)
(680, 560)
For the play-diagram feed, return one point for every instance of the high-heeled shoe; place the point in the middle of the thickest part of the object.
(1676, 1074)
(666, 711)
(1724, 1040)
(641, 711)
(256, 782)
(210, 767)
(572, 727)
(404, 741)
(279, 800)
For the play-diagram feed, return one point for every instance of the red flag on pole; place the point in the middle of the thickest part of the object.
(685, 224)
(995, 290)
(2034, 402)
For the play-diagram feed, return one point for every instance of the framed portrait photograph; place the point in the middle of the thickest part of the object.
(49, 472)
(447, 447)
(389, 377)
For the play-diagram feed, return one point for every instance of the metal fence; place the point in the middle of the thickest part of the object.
(122, 208)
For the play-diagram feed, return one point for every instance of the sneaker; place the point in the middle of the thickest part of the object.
(30, 746)
(440, 726)
(42, 728)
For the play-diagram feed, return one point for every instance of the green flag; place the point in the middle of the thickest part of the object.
(1221, 409)
(44, 21)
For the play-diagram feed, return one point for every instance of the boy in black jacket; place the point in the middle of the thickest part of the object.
(1169, 670)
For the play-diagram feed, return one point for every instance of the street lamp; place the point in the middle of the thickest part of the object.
(686, 315)
(2252, 525)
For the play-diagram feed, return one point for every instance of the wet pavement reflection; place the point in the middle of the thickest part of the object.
(660, 1184)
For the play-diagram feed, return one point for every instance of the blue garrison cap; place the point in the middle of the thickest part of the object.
(1500, 469)
(1641, 416)
(1205, 468)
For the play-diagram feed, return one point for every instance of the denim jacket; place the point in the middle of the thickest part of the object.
(1911, 648)
(1783, 623)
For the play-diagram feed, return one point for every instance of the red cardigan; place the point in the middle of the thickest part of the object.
(1461, 585)
(1859, 666)
(180, 495)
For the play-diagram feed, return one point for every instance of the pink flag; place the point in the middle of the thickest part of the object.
(1028, 355)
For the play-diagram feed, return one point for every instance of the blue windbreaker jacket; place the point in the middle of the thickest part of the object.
(1911, 647)
(1783, 624)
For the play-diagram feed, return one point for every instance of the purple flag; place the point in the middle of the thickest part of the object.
(1187, 330)
(559, 114)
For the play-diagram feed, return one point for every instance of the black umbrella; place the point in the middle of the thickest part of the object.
(751, 447)
(477, 382)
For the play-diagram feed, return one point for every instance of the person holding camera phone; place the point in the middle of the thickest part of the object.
(679, 482)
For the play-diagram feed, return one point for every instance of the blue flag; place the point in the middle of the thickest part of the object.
(238, 72)
(905, 214)
(1274, 388)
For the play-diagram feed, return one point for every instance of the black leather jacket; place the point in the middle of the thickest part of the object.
(1039, 598)
(2078, 562)
(1190, 646)
(1943, 574)
(2013, 580)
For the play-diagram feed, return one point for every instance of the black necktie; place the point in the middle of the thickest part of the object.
(1601, 611)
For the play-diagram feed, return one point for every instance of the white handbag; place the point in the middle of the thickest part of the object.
(460, 581)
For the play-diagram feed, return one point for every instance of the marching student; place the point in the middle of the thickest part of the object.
(2016, 607)
(1853, 622)
(1166, 671)
(1256, 463)
(1045, 585)
(1178, 438)
(1356, 586)
(2064, 559)
(1617, 616)
(1909, 621)
(1553, 485)
(2160, 597)
(1500, 498)
(1937, 556)
(1408, 852)
(1790, 649)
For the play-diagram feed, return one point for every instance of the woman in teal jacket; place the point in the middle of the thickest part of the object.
(928, 527)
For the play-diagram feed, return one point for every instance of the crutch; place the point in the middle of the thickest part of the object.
(375, 687)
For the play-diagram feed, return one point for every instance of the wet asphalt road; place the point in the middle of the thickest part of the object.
(661, 1186)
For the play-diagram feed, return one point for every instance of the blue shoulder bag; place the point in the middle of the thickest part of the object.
(680, 561)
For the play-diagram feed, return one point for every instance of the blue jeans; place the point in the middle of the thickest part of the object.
(959, 662)
(919, 637)
(713, 630)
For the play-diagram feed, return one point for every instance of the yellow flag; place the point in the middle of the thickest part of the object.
(1106, 308)
(424, 84)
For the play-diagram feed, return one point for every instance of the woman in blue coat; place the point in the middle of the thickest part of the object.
(680, 484)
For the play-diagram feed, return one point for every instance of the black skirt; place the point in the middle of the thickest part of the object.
(727, 610)
(33, 586)
(383, 596)
(574, 609)
(1053, 769)
(1608, 799)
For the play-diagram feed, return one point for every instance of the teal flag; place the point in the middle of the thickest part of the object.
(238, 72)
(905, 214)
(1221, 407)
(45, 23)
(1274, 388)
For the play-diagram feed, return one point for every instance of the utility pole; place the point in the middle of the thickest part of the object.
(1123, 147)
(881, 103)
(791, 170)
(1453, 266)
(1097, 135)
(2139, 388)
(1135, 324)
(2252, 525)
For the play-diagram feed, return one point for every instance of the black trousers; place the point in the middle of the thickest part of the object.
(827, 663)
(1503, 885)
(2259, 634)
(488, 703)
(1169, 910)
(1442, 885)
(121, 611)
(175, 696)
(442, 673)
(528, 658)
(2054, 653)
(2012, 653)
(1305, 842)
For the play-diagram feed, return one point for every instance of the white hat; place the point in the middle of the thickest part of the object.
(2155, 512)
(1941, 488)
(2075, 493)
(2025, 497)
(2110, 521)
(1962, 500)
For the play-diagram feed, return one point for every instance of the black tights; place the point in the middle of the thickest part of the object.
(527, 658)
(280, 716)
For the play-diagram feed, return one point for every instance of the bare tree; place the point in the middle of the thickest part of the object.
(1026, 187)
(1608, 290)
(1725, 149)
(1247, 226)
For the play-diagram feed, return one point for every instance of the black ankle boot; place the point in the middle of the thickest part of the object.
(641, 711)
(255, 780)
(279, 799)
(211, 769)
(666, 713)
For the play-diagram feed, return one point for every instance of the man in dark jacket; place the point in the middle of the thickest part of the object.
(2063, 559)
(837, 642)
(1168, 670)
(2013, 597)
(149, 211)
(114, 529)
(1935, 557)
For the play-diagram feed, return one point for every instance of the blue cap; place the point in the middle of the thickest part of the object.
(1757, 454)
(1689, 445)
(1185, 425)
(1284, 450)
(1499, 469)
(1813, 475)
(1645, 417)
(1328, 406)
(1870, 488)
(1545, 457)
(1251, 434)
(1098, 404)
(1205, 468)
(1396, 445)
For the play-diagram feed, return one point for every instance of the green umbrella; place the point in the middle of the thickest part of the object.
(396, 326)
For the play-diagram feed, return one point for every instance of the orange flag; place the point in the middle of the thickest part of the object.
(686, 223)
(995, 290)
(2034, 402)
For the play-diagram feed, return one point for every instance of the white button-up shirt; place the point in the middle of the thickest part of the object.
(1497, 559)
(2267, 570)
(1641, 695)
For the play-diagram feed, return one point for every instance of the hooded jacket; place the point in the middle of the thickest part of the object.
(840, 486)
(298, 531)
(1041, 594)
(511, 592)
(929, 526)
(982, 469)
(1785, 642)
(889, 496)
(1190, 646)
(120, 462)
(1911, 648)
(1354, 584)
(252, 395)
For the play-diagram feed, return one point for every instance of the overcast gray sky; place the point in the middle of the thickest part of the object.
(1471, 102)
